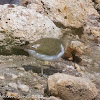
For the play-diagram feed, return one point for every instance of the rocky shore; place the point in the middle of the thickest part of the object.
(74, 76)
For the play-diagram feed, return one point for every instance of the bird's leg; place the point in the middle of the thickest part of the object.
(44, 63)
(42, 67)
(42, 70)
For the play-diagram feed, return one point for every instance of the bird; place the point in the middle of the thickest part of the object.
(45, 49)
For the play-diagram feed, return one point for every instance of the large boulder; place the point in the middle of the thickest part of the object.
(97, 1)
(68, 87)
(72, 13)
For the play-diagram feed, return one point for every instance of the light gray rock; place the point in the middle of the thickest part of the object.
(23, 88)
(67, 12)
(14, 76)
(52, 98)
(11, 76)
(68, 87)
(13, 85)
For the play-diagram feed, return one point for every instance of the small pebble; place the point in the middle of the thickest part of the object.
(38, 86)
(21, 69)
(13, 85)
(1, 61)
(2, 77)
(14, 76)
(11, 6)
(23, 87)
(20, 74)
(12, 94)
(70, 66)
(10, 75)
(77, 67)
(11, 60)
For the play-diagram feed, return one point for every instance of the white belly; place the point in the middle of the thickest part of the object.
(45, 57)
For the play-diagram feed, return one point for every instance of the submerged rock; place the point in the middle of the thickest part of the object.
(68, 87)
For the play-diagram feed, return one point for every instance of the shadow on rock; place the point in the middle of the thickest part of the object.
(47, 70)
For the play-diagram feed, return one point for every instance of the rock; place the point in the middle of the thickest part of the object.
(92, 28)
(22, 24)
(2, 77)
(52, 98)
(36, 97)
(97, 1)
(73, 49)
(11, 75)
(33, 4)
(23, 88)
(13, 85)
(11, 94)
(78, 46)
(21, 69)
(1, 37)
(97, 7)
(68, 87)
(78, 69)
(70, 66)
(20, 75)
(14, 76)
(66, 12)
(38, 86)
(10, 60)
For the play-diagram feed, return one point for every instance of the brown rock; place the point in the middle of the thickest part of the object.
(12, 95)
(71, 88)
(61, 11)
(74, 48)
(65, 12)
(97, 1)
